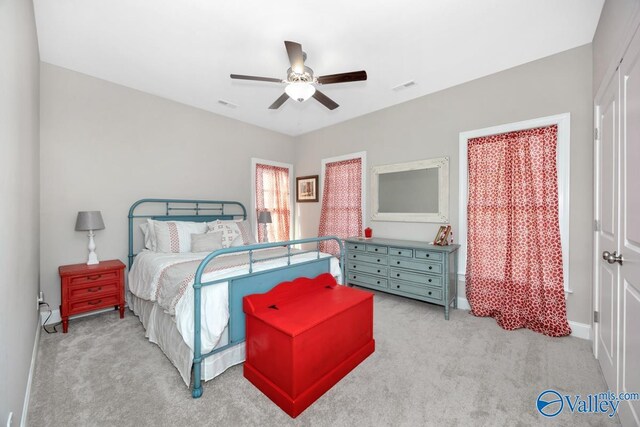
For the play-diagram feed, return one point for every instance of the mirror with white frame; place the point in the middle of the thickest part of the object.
(411, 192)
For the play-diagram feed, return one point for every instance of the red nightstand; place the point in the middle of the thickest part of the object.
(90, 287)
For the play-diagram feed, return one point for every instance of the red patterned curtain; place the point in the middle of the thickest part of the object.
(272, 194)
(514, 258)
(341, 213)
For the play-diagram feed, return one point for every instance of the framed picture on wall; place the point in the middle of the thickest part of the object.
(307, 188)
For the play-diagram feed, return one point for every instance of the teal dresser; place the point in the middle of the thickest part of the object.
(417, 270)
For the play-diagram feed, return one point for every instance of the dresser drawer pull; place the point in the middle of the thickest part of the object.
(398, 262)
(398, 275)
(99, 288)
(355, 277)
(354, 267)
(354, 256)
(429, 280)
(378, 282)
(398, 286)
(355, 247)
(94, 302)
(427, 255)
(376, 249)
(378, 260)
(399, 253)
(378, 271)
(429, 292)
(96, 277)
(430, 267)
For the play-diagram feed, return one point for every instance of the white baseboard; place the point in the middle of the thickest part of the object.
(578, 330)
(32, 368)
(55, 315)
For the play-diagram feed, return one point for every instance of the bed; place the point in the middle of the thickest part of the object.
(190, 303)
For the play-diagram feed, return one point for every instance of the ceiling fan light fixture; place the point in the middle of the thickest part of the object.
(300, 91)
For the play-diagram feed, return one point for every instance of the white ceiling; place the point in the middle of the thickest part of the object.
(184, 50)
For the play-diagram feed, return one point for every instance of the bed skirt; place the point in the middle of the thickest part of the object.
(161, 330)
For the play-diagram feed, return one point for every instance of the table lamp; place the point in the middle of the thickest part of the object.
(264, 218)
(90, 221)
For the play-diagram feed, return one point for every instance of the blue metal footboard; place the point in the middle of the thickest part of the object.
(251, 283)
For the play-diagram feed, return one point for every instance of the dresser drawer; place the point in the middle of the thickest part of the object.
(429, 267)
(431, 255)
(377, 249)
(401, 252)
(424, 291)
(92, 290)
(93, 278)
(356, 246)
(94, 303)
(368, 258)
(423, 279)
(356, 267)
(365, 280)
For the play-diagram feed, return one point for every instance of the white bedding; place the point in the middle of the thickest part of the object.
(145, 277)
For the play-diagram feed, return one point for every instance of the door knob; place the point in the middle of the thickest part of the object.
(612, 258)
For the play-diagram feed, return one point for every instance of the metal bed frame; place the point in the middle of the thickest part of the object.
(241, 285)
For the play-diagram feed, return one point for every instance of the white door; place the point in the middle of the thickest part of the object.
(629, 239)
(606, 298)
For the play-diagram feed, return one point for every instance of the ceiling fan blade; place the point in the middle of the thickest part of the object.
(353, 76)
(325, 100)
(260, 79)
(278, 102)
(296, 57)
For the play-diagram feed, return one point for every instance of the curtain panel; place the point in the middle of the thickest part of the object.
(341, 212)
(514, 262)
(272, 195)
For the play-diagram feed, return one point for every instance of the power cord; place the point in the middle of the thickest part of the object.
(44, 324)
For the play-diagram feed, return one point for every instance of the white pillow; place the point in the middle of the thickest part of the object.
(149, 236)
(207, 242)
(232, 230)
(175, 236)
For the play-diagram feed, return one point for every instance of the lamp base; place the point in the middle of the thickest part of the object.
(93, 258)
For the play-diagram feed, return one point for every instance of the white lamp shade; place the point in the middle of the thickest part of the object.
(89, 220)
(300, 91)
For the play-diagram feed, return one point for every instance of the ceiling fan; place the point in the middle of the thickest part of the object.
(301, 81)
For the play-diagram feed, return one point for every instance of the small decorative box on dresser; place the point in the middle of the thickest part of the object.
(90, 287)
(417, 270)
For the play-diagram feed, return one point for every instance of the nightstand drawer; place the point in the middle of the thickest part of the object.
(368, 258)
(356, 267)
(92, 290)
(93, 278)
(93, 304)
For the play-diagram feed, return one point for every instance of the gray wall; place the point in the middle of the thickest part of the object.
(104, 146)
(19, 136)
(429, 127)
(608, 42)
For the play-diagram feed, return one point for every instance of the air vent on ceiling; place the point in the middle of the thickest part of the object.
(227, 103)
(404, 85)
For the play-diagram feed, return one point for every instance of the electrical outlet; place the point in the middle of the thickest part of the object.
(10, 419)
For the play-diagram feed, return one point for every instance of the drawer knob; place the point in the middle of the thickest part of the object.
(96, 277)
(399, 253)
(429, 280)
(355, 247)
(378, 271)
(430, 267)
(398, 262)
(398, 286)
(376, 249)
(378, 260)
(378, 282)
(429, 292)
(354, 276)
(354, 256)
(427, 255)
(354, 267)
(398, 275)
(99, 288)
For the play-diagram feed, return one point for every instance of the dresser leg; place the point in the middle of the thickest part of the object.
(122, 311)
(65, 325)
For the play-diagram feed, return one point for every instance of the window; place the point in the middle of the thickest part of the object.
(272, 193)
(342, 212)
(562, 162)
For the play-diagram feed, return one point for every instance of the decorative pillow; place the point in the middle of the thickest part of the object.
(175, 236)
(207, 242)
(149, 235)
(229, 231)
(233, 229)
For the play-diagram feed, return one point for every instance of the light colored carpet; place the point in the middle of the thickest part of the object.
(425, 371)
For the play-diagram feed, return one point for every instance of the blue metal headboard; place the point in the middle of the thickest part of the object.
(184, 210)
